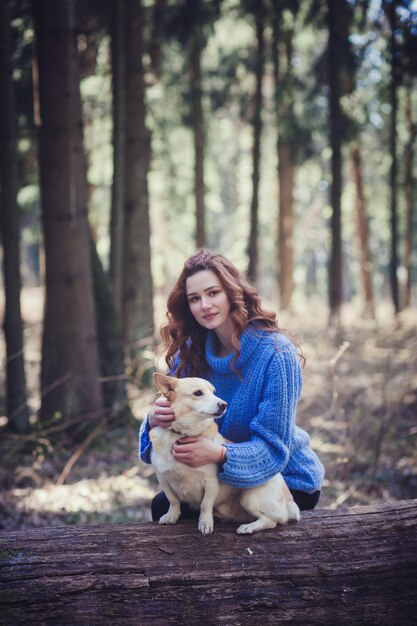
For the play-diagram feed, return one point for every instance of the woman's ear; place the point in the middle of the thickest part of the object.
(165, 384)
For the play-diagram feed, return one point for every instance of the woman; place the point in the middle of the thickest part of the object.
(218, 330)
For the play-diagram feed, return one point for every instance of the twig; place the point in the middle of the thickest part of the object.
(48, 430)
(14, 356)
(342, 349)
(56, 383)
(74, 458)
(344, 496)
(332, 410)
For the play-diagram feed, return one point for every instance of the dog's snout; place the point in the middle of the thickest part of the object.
(222, 405)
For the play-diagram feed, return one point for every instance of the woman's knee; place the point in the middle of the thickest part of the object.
(160, 506)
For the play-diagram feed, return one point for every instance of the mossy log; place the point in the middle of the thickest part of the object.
(352, 566)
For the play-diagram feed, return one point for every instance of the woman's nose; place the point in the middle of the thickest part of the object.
(205, 303)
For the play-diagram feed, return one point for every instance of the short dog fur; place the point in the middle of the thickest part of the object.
(196, 407)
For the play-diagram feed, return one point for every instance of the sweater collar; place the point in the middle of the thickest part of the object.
(249, 341)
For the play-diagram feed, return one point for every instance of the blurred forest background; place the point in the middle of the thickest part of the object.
(132, 132)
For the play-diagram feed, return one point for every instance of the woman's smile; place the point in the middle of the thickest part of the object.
(209, 303)
(210, 316)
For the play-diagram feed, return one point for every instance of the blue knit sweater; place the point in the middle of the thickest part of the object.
(260, 417)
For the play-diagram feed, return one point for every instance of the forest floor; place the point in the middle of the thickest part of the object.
(359, 404)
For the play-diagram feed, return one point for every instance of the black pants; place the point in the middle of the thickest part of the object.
(160, 504)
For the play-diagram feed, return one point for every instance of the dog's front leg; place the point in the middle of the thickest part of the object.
(205, 521)
(174, 510)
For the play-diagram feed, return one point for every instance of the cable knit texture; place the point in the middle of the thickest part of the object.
(260, 418)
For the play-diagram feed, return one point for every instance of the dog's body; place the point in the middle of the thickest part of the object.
(195, 407)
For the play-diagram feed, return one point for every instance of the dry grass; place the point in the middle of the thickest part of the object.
(359, 404)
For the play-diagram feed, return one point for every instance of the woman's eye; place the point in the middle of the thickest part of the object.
(198, 393)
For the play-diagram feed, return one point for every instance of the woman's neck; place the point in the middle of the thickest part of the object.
(224, 338)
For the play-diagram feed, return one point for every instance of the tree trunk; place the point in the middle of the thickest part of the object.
(256, 148)
(392, 17)
(110, 341)
(155, 47)
(363, 234)
(286, 223)
(335, 17)
(198, 132)
(118, 52)
(283, 75)
(137, 275)
(409, 195)
(70, 370)
(351, 566)
(16, 406)
(360, 202)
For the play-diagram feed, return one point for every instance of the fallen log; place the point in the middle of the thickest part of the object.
(352, 566)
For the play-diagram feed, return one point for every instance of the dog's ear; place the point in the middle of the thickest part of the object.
(165, 384)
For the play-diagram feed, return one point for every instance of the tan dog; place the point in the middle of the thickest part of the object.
(195, 407)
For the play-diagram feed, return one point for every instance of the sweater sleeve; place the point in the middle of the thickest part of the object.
(251, 463)
(144, 441)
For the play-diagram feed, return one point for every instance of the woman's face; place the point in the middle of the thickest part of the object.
(208, 300)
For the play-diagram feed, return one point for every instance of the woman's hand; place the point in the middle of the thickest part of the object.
(161, 413)
(197, 451)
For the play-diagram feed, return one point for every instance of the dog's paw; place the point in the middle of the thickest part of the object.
(168, 518)
(205, 527)
(245, 529)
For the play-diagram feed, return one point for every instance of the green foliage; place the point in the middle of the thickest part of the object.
(228, 35)
(184, 16)
(228, 58)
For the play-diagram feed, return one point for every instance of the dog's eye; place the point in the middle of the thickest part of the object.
(198, 393)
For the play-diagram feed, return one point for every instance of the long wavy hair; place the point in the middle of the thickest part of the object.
(183, 336)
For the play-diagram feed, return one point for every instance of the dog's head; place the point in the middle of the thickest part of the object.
(192, 400)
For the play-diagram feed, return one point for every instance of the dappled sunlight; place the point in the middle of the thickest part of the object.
(288, 147)
(360, 411)
(358, 404)
(123, 498)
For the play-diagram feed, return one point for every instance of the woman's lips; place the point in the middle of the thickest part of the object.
(209, 316)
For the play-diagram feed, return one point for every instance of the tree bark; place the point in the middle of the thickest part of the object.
(335, 21)
(118, 55)
(70, 371)
(357, 170)
(409, 195)
(155, 46)
(137, 275)
(283, 75)
(16, 405)
(195, 50)
(110, 341)
(286, 223)
(256, 147)
(395, 294)
(351, 566)
(363, 232)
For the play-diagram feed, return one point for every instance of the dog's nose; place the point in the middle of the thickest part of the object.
(222, 405)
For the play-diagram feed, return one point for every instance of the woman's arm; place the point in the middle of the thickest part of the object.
(145, 445)
(253, 462)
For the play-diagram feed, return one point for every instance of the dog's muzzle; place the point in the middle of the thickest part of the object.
(222, 408)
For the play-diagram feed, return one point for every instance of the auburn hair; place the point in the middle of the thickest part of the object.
(183, 336)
